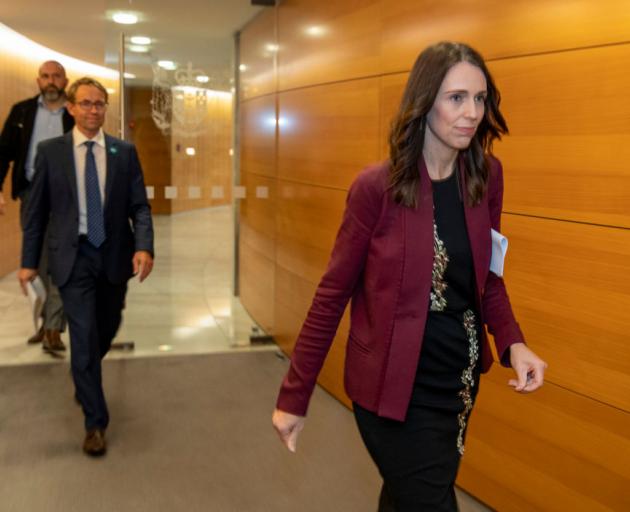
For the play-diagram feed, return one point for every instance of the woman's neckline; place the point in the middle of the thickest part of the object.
(442, 180)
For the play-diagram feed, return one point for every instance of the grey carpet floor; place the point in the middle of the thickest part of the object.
(186, 433)
(189, 433)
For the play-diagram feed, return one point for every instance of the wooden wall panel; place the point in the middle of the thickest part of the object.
(211, 165)
(257, 57)
(257, 249)
(323, 42)
(256, 285)
(329, 133)
(258, 214)
(307, 221)
(568, 153)
(554, 450)
(570, 284)
(154, 148)
(391, 91)
(499, 29)
(258, 136)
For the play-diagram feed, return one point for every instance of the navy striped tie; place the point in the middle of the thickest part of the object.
(95, 221)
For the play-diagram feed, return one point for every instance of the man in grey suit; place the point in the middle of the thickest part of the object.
(89, 189)
(29, 122)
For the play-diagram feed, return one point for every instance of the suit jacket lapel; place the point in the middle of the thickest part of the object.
(111, 152)
(478, 225)
(29, 117)
(67, 121)
(68, 165)
(418, 240)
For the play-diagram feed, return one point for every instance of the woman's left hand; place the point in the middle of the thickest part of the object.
(529, 369)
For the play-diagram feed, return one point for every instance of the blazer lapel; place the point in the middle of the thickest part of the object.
(478, 225)
(67, 120)
(418, 240)
(68, 165)
(111, 151)
(29, 118)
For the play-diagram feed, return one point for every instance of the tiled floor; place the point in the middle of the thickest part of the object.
(184, 307)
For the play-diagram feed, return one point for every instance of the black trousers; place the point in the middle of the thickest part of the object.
(418, 458)
(93, 307)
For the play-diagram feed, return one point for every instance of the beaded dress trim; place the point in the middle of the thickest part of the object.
(438, 303)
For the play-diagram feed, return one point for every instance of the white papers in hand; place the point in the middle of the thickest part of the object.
(499, 249)
(37, 297)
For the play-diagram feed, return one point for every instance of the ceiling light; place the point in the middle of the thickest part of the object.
(125, 18)
(110, 90)
(131, 76)
(315, 31)
(167, 64)
(243, 67)
(140, 40)
(272, 47)
(202, 79)
(190, 151)
(138, 48)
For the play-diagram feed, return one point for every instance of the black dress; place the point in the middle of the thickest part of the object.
(419, 458)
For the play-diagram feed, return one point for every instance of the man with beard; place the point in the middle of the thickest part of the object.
(29, 122)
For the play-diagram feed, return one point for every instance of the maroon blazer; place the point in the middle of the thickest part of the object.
(382, 260)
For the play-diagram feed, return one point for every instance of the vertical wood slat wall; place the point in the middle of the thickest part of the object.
(17, 83)
(562, 67)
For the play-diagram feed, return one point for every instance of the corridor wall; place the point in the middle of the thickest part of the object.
(320, 84)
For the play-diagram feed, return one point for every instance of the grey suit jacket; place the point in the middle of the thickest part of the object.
(54, 203)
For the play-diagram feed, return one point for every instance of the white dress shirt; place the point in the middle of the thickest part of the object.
(80, 149)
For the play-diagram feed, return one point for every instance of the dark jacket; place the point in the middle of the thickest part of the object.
(128, 224)
(16, 138)
(382, 260)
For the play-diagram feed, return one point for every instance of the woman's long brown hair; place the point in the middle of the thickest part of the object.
(407, 134)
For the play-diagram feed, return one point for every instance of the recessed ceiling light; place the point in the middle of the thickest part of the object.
(125, 18)
(315, 31)
(272, 47)
(131, 76)
(140, 40)
(243, 67)
(190, 151)
(167, 64)
(203, 79)
(138, 48)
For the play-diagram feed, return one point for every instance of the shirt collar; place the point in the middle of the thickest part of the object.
(41, 104)
(78, 138)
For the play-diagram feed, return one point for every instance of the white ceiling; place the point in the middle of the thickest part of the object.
(196, 31)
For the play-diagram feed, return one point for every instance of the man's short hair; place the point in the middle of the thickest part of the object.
(86, 80)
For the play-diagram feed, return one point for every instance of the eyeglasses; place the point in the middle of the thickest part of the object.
(88, 105)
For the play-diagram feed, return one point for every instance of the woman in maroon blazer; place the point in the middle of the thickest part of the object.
(413, 253)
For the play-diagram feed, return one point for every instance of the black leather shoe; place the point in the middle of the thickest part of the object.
(94, 444)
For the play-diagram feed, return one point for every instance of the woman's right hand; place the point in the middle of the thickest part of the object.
(288, 426)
